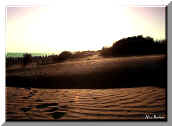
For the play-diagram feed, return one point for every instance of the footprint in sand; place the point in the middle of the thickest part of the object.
(29, 96)
(57, 115)
(25, 109)
(46, 105)
(54, 109)
(25, 97)
(64, 106)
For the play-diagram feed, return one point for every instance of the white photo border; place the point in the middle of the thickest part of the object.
(5, 3)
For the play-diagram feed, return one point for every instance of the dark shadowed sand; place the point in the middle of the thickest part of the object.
(92, 73)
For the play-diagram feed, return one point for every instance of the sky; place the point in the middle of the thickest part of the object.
(78, 26)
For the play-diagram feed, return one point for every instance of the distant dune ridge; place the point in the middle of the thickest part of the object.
(132, 61)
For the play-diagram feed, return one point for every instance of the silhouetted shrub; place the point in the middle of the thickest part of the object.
(161, 46)
(27, 58)
(136, 45)
(64, 55)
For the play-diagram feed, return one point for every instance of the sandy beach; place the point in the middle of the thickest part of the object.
(94, 88)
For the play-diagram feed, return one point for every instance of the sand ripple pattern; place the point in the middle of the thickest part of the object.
(84, 104)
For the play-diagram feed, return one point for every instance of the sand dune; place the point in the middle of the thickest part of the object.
(94, 73)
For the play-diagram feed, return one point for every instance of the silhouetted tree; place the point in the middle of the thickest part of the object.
(27, 58)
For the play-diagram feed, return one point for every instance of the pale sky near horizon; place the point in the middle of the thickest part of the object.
(81, 26)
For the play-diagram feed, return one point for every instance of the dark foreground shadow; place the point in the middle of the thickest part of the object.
(134, 75)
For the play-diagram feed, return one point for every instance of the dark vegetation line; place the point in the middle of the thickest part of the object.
(136, 45)
(131, 46)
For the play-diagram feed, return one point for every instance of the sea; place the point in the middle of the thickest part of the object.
(16, 54)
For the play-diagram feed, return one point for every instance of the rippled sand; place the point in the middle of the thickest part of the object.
(84, 104)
